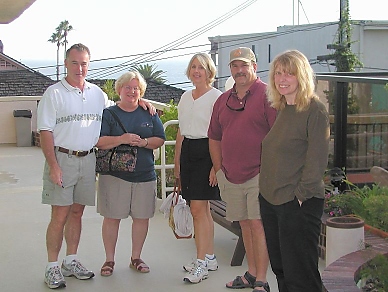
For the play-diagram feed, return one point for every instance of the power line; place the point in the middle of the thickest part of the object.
(226, 44)
(181, 40)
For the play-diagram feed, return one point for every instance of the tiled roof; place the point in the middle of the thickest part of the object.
(27, 82)
(32, 83)
(155, 91)
(23, 83)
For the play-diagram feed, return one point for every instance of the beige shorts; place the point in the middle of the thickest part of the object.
(79, 181)
(242, 200)
(118, 199)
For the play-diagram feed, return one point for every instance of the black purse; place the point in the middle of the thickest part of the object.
(121, 158)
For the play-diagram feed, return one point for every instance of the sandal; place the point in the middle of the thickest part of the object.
(238, 283)
(139, 266)
(259, 284)
(107, 269)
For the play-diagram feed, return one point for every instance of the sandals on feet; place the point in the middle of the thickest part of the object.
(260, 284)
(238, 283)
(139, 265)
(107, 269)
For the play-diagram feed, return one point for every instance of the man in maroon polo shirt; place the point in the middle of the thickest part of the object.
(240, 120)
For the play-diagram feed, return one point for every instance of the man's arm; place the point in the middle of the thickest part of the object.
(215, 154)
(47, 145)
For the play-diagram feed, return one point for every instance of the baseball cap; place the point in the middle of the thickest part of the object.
(242, 54)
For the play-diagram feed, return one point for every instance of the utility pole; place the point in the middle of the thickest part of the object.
(342, 92)
(343, 9)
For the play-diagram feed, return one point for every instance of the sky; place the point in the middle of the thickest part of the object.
(118, 28)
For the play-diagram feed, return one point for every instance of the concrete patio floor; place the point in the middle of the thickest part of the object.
(23, 223)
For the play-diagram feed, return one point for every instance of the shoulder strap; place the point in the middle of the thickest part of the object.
(117, 119)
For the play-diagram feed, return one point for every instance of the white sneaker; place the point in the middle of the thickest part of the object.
(212, 265)
(76, 269)
(54, 278)
(198, 273)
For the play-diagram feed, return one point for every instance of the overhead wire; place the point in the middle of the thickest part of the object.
(149, 56)
(245, 39)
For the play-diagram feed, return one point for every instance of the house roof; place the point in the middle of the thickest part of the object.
(21, 80)
(155, 91)
(16, 79)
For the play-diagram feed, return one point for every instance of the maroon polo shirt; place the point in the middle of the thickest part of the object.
(241, 131)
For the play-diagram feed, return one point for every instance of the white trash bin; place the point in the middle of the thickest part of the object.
(344, 235)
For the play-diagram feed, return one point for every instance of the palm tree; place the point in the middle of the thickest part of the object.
(60, 38)
(65, 28)
(150, 72)
(55, 38)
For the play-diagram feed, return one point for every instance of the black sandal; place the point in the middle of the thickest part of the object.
(238, 283)
(259, 284)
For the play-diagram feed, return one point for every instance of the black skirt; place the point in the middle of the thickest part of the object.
(195, 166)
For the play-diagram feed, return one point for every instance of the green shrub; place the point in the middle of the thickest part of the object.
(369, 203)
(170, 114)
(377, 211)
(109, 89)
(346, 203)
(376, 274)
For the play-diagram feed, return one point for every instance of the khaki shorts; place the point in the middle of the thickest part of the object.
(242, 200)
(79, 181)
(118, 199)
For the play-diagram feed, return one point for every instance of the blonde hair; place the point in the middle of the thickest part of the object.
(296, 63)
(128, 76)
(206, 63)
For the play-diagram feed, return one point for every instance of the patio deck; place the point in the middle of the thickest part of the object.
(23, 223)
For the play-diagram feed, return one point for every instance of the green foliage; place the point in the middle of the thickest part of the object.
(109, 89)
(59, 37)
(343, 204)
(376, 273)
(169, 114)
(345, 59)
(150, 72)
(369, 203)
(377, 211)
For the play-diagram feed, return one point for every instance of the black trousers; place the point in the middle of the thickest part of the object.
(292, 234)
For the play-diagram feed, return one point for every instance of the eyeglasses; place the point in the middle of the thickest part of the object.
(240, 109)
(131, 88)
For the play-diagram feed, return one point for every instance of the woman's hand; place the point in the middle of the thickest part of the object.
(212, 178)
(131, 139)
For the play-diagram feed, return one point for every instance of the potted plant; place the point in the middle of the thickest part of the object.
(369, 203)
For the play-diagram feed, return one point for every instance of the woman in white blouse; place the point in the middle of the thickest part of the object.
(193, 165)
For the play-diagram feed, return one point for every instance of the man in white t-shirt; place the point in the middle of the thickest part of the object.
(69, 122)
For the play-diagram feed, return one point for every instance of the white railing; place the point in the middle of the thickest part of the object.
(163, 166)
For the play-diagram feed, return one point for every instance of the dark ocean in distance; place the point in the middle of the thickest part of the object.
(174, 70)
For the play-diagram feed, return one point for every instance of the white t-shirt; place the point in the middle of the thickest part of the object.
(194, 115)
(73, 116)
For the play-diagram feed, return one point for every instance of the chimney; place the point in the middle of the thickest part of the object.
(1, 47)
